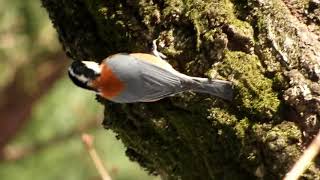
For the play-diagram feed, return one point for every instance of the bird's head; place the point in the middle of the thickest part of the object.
(83, 73)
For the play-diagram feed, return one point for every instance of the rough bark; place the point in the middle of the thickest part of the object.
(269, 49)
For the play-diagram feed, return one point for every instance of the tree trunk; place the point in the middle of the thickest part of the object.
(270, 49)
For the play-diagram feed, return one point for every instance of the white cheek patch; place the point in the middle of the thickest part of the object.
(81, 78)
(93, 66)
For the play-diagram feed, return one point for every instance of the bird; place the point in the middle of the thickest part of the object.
(141, 77)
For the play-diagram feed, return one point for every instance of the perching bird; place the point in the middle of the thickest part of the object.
(139, 77)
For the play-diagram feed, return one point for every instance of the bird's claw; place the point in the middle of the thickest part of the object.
(156, 52)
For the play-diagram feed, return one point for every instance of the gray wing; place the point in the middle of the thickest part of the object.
(144, 81)
(159, 83)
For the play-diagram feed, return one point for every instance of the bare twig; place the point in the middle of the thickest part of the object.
(88, 143)
(302, 164)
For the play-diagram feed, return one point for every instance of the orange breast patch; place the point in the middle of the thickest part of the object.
(108, 83)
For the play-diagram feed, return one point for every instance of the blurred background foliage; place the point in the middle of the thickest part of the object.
(42, 115)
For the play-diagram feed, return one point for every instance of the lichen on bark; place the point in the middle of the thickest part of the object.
(271, 56)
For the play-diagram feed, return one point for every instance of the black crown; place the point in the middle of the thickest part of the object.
(80, 69)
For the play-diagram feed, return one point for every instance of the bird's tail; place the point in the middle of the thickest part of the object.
(218, 88)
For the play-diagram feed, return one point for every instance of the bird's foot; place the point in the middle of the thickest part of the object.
(156, 52)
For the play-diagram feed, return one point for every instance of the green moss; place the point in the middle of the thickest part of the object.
(279, 81)
(237, 137)
(241, 128)
(115, 25)
(204, 17)
(242, 28)
(229, 127)
(172, 10)
(281, 143)
(149, 13)
(253, 91)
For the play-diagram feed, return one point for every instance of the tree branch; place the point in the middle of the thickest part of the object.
(272, 58)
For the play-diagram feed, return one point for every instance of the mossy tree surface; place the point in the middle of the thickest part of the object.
(269, 49)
